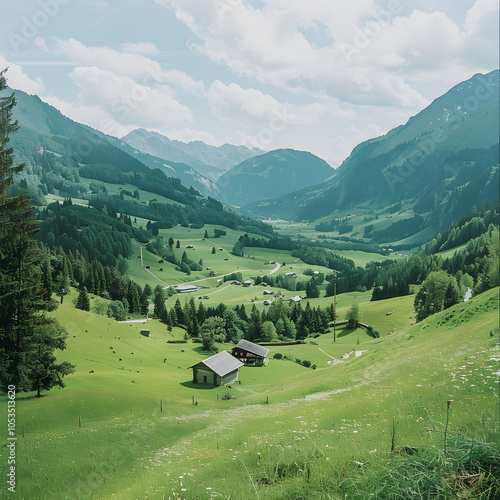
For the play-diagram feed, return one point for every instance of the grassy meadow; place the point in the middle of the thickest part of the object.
(289, 432)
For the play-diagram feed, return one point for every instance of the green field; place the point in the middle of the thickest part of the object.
(141, 436)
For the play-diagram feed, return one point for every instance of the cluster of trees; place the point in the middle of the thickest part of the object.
(292, 284)
(281, 281)
(28, 336)
(281, 321)
(467, 227)
(62, 270)
(326, 258)
(439, 291)
(95, 235)
(187, 265)
(273, 241)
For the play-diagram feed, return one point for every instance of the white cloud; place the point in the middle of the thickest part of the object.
(126, 100)
(117, 104)
(18, 79)
(232, 102)
(129, 64)
(360, 52)
(140, 48)
(482, 27)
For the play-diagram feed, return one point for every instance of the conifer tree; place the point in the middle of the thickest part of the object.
(159, 301)
(201, 314)
(83, 301)
(25, 331)
(173, 317)
(179, 313)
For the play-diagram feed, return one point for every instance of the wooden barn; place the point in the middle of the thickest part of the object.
(250, 353)
(220, 369)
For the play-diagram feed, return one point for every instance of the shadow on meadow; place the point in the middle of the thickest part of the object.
(191, 385)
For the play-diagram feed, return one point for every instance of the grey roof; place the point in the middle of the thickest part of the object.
(256, 349)
(221, 363)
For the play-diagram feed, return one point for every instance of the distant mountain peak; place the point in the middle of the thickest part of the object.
(277, 172)
(210, 161)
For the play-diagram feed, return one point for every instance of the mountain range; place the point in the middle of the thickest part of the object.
(209, 161)
(434, 168)
(440, 163)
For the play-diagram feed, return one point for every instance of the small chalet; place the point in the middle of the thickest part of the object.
(292, 274)
(190, 246)
(268, 292)
(297, 298)
(248, 283)
(220, 369)
(250, 353)
(146, 333)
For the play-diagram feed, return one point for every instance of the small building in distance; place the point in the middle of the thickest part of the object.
(268, 302)
(250, 353)
(297, 298)
(219, 369)
(186, 288)
(146, 333)
(268, 292)
(292, 274)
(248, 283)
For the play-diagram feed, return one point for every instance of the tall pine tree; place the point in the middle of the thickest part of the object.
(28, 337)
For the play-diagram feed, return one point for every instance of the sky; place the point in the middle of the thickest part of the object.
(313, 75)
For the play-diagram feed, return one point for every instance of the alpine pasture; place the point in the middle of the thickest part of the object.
(131, 424)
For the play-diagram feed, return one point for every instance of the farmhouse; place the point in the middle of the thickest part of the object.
(146, 333)
(220, 369)
(248, 283)
(292, 274)
(268, 292)
(297, 298)
(268, 302)
(186, 288)
(250, 353)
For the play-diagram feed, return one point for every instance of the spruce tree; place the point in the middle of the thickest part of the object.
(159, 302)
(26, 333)
(83, 301)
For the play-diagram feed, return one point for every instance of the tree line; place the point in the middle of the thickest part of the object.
(29, 337)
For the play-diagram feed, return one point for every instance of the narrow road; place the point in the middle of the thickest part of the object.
(278, 266)
(154, 275)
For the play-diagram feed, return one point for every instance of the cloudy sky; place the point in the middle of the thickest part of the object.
(315, 75)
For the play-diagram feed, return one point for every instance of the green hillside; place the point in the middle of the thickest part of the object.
(303, 430)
